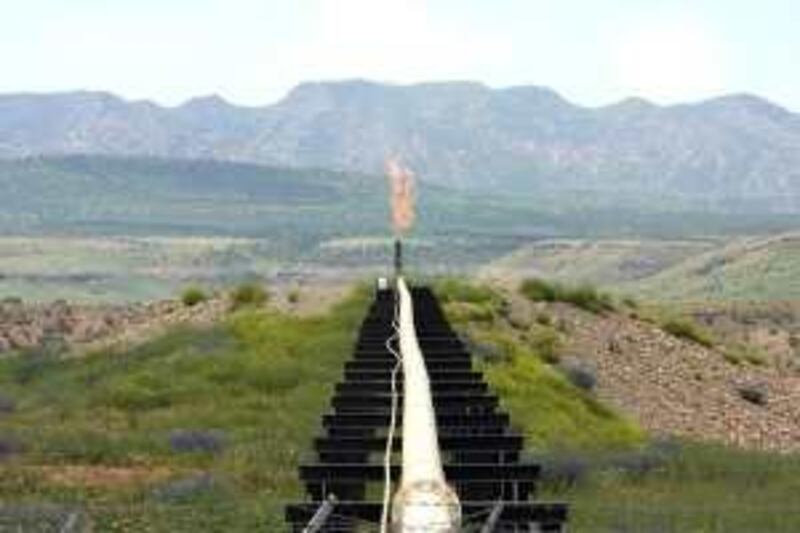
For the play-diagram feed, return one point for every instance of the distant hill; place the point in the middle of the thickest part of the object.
(737, 153)
(748, 268)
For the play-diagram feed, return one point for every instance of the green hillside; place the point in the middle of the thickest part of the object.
(760, 269)
(202, 430)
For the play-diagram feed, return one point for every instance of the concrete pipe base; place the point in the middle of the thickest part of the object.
(429, 506)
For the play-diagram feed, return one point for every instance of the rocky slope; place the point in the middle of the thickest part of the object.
(673, 386)
(737, 152)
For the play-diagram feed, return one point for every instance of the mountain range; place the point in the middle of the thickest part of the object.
(733, 153)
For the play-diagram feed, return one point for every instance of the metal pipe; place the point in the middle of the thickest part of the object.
(424, 501)
(321, 516)
(494, 517)
(398, 258)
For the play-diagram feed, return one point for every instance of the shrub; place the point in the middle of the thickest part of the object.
(580, 375)
(9, 447)
(197, 440)
(754, 393)
(630, 303)
(7, 404)
(469, 312)
(249, 294)
(589, 299)
(586, 297)
(131, 396)
(546, 343)
(741, 353)
(538, 290)
(689, 330)
(33, 363)
(486, 351)
(457, 290)
(186, 488)
(733, 357)
(293, 296)
(564, 471)
(193, 296)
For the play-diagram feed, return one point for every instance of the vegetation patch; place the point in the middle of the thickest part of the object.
(222, 415)
(549, 410)
(683, 487)
(685, 328)
(744, 353)
(192, 296)
(585, 297)
(545, 406)
(249, 294)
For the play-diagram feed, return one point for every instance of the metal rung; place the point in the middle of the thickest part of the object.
(443, 418)
(344, 473)
(487, 443)
(431, 364)
(520, 513)
(441, 375)
(443, 400)
(355, 387)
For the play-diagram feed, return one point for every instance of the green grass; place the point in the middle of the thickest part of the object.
(548, 410)
(701, 488)
(192, 296)
(686, 328)
(586, 297)
(694, 488)
(249, 294)
(262, 380)
(552, 413)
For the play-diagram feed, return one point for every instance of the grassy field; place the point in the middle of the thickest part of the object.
(202, 430)
(195, 431)
(682, 488)
(616, 478)
(118, 269)
(700, 269)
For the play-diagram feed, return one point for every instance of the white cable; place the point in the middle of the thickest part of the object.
(387, 458)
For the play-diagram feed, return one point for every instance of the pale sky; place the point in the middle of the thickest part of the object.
(251, 52)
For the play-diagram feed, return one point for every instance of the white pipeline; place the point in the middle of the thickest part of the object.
(424, 501)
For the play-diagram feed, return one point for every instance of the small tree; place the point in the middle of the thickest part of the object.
(249, 294)
(193, 296)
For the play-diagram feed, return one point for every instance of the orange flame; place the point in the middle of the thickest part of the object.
(402, 184)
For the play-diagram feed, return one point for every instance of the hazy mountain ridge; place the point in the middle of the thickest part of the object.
(732, 151)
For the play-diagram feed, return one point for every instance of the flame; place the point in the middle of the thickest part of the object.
(402, 184)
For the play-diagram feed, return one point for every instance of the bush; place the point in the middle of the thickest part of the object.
(689, 330)
(196, 440)
(546, 343)
(7, 404)
(742, 353)
(485, 351)
(754, 393)
(33, 363)
(586, 297)
(580, 375)
(538, 290)
(249, 294)
(589, 299)
(193, 296)
(293, 296)
(185, 489)
(457, 290)
(9, 447)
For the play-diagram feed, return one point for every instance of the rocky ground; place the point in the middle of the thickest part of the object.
(673, 386)
(24, 326)
(88, 327)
